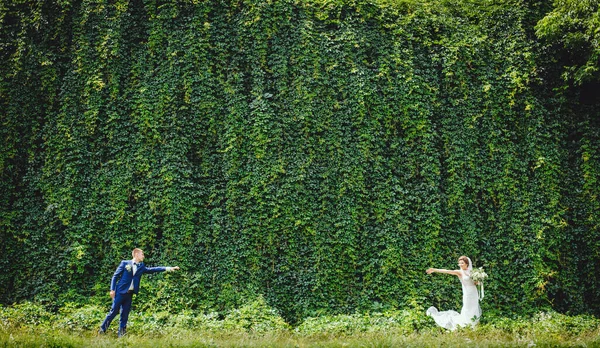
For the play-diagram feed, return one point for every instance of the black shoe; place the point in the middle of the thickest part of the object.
(101, 332)
(122, 332)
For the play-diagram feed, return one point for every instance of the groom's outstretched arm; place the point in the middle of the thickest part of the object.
(161, 269)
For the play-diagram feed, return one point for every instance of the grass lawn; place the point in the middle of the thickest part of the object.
(479, 337)
(256, 325)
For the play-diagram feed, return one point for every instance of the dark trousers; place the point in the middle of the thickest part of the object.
(121, 302)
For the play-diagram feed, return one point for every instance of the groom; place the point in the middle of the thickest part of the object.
(124, 284)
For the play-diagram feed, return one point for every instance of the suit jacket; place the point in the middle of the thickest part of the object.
(121, 280)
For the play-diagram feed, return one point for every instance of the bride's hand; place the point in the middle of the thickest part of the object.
(429, 270)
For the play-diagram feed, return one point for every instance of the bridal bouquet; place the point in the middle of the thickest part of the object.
(478, 275)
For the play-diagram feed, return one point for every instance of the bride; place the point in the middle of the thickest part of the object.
(470, 312)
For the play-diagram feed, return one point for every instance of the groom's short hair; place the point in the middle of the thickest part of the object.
(135, 251)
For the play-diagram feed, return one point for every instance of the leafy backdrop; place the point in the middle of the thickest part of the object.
(320, 153)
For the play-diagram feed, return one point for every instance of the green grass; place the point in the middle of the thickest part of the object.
(480, 337)
(257, 325)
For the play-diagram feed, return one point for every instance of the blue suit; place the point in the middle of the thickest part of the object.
(121, 283)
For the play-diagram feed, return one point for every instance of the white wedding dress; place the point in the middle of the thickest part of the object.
(470, 312)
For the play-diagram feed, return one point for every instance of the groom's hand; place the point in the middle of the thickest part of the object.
(112, 294)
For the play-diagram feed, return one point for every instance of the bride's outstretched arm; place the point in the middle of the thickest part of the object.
(439, 270)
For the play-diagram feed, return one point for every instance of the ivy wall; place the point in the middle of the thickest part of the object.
(321, 153)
